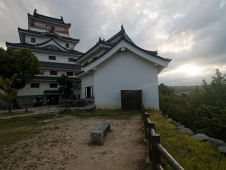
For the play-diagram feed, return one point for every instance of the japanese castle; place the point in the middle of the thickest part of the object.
(49, 40)
(111, 69)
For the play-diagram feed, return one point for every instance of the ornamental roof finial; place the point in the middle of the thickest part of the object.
(35, 12)
(100, 40)
(61, 18)
(122, 28)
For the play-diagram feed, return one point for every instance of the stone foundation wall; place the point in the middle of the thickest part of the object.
(28, 100)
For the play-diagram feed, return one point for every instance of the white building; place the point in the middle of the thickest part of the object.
(49, 40)
(118, 64)
(104, 72)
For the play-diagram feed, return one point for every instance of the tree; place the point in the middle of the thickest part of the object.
(66, 86)
(19, 63)
(9, 94)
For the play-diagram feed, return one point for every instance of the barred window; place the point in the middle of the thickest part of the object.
(53, 72)
(33, 40)
(53, 85)
(69, 73)
(52, 57)
(34, 85)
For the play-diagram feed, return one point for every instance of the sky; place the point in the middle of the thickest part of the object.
(191, 33)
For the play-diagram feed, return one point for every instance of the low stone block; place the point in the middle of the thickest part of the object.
(222, 149)
(169, 119)
(97, 137)
(187, 130)
(175, 123)
(200, 137)
(216, 142)
(181, 127)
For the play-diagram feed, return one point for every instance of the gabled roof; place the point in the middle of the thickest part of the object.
(48, 19)
(48, 48)
(50, 32)
(53, 65)
(112, 42)
(118, 35)
(100, 43)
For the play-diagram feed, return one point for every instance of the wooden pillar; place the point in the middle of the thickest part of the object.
(147, 115)
(156, 156)
(150, 125)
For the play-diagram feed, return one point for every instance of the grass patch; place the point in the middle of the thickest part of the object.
(105, 113)
(7, 114)
(189, 153)
(14, 129)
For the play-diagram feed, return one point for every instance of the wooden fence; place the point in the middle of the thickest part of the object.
(156, 150)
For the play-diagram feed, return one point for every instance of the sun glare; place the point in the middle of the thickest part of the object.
(190, 70)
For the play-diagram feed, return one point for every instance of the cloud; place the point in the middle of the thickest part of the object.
(192, 33)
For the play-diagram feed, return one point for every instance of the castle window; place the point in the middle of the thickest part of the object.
(69, 73)
(67, 45)
(71, 59)
(52, 57)
(34, 85)
(53, 72)
(53, 85)
(49, 27)
(33, 40)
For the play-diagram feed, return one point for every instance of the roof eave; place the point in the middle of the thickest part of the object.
(65, 24)
(153, 59)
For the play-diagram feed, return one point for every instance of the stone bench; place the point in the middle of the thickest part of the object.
(97, 136)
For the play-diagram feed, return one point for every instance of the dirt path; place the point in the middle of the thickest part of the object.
(66, 146)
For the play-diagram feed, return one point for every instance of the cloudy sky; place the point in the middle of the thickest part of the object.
(191, 33)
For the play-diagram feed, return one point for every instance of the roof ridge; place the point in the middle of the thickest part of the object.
(47, 18)
(47, 32)
(154, 54)
(35, 47)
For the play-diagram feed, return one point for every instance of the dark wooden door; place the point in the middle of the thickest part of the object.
(131, 99)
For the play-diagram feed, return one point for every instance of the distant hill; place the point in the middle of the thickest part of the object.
(184, 89)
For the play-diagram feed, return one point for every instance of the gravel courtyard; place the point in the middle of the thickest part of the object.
(66, 145)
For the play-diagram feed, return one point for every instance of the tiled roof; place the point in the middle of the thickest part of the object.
(121, 32)
(49, 78)
(153, 53)
(46, 33)
(59, 65)
(121, 35)
(49, 19)
(36, 47)
(98, 43)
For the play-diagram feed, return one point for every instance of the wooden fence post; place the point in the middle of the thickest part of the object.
(150, 125)
(156, 156)
(146, 116)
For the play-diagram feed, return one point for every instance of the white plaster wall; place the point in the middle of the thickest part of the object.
(39, 39)
(27, 90)
(86, 82)
(125, 70)
(59, 73)
(59, 57)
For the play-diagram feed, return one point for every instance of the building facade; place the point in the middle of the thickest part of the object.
(116, 65)
(102, 73)
(49, 40)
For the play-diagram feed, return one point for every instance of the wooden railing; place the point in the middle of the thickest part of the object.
(156, 150)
